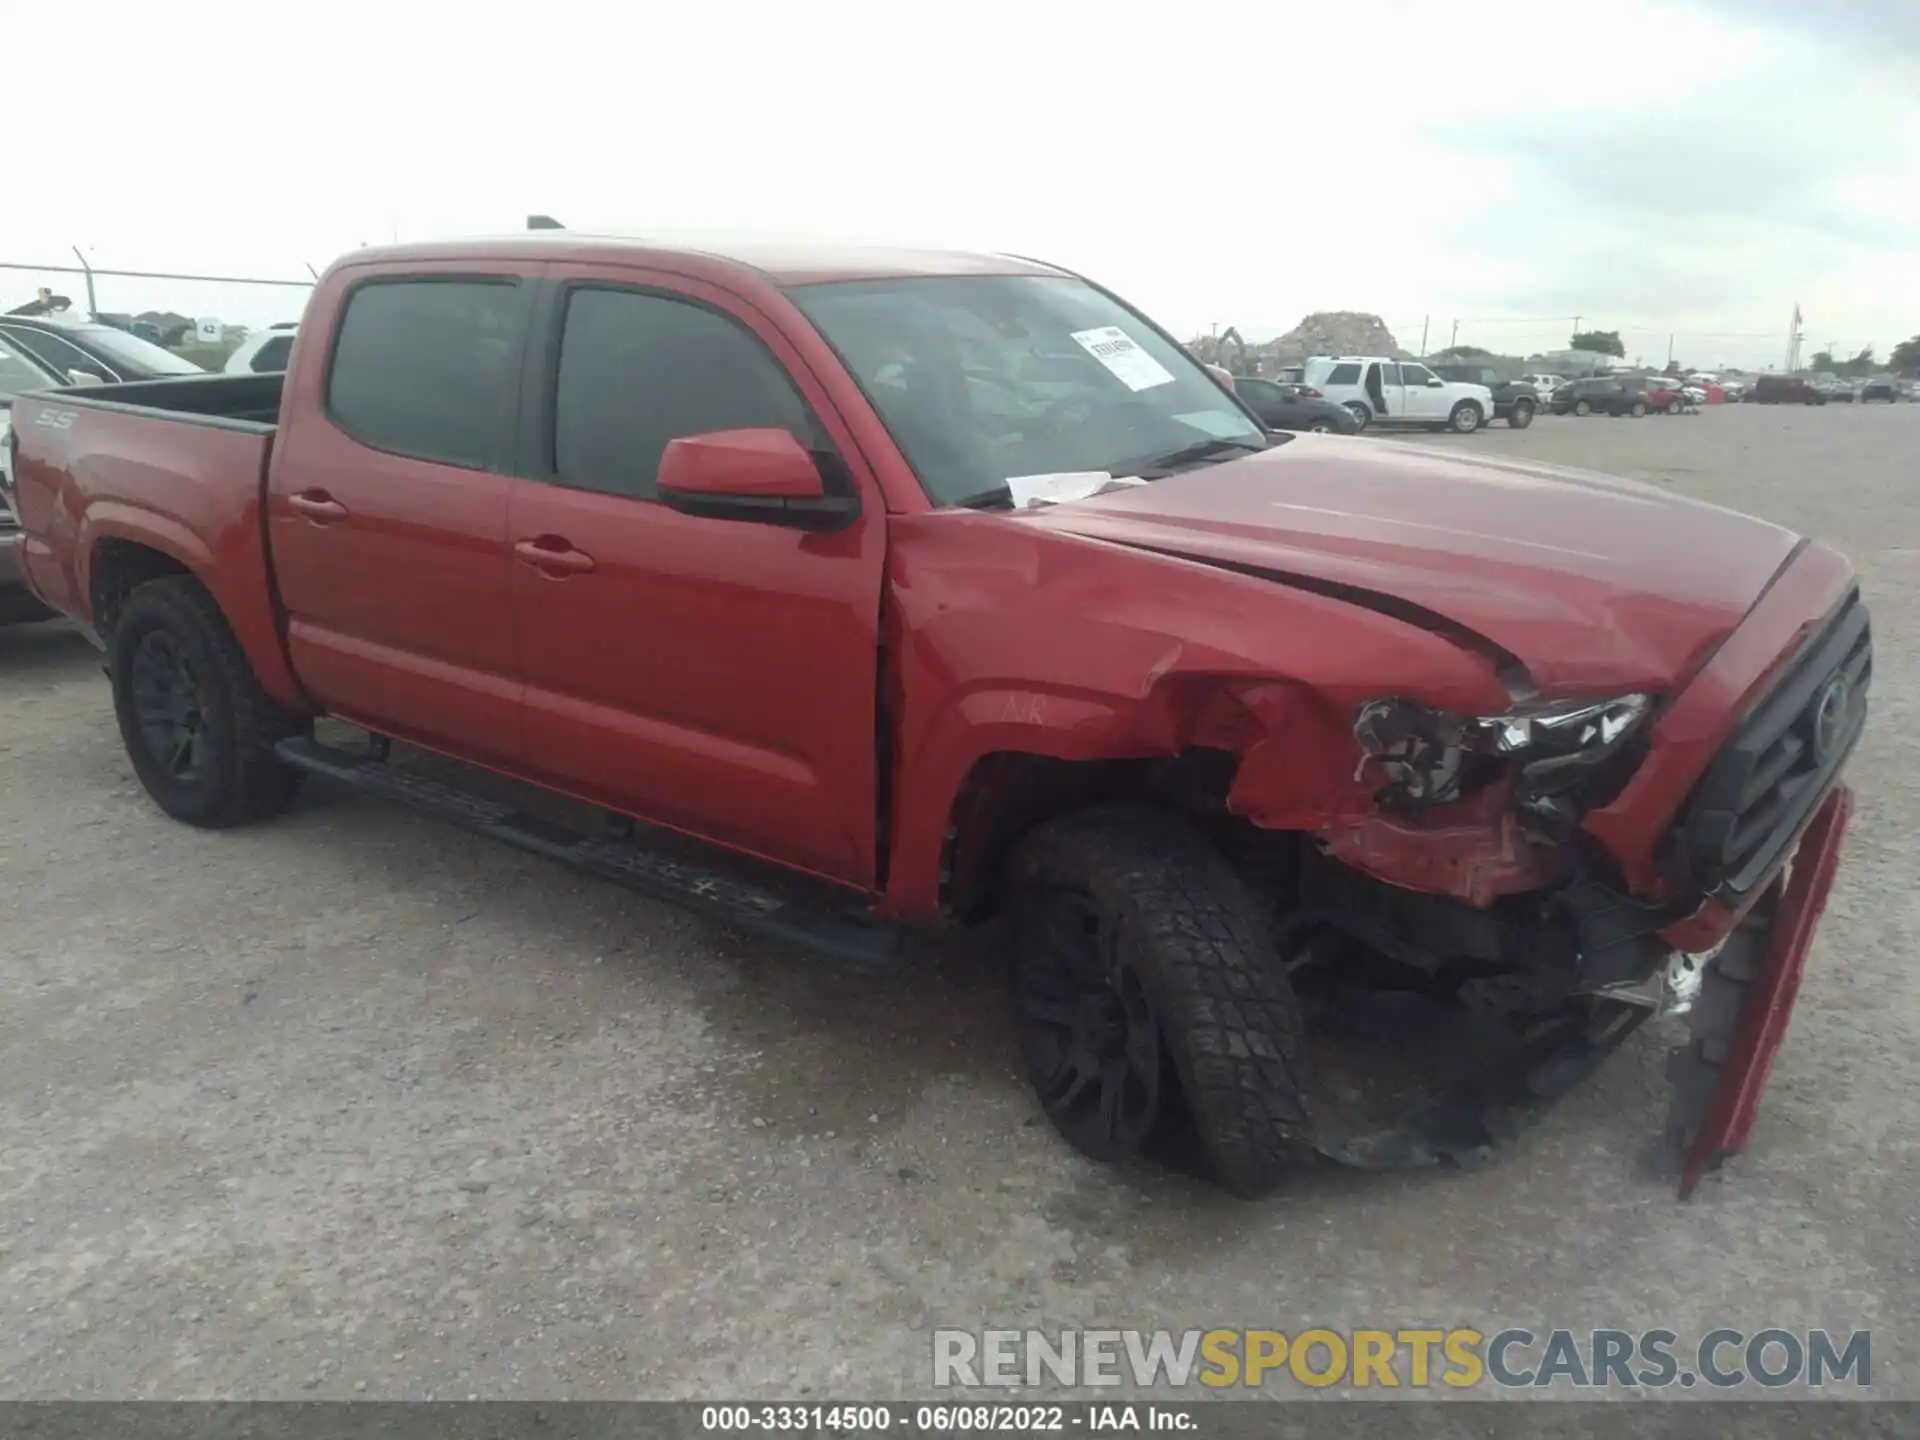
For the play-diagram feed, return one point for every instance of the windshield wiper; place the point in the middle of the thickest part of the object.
(1173, 460)
(998, 496)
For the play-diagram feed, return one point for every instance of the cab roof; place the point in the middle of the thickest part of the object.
(782, 260)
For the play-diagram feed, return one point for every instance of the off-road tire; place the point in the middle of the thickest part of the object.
(1694, 1068)
(242, 780)
(1465, 418)
(1232, 1033)
(1521, 416)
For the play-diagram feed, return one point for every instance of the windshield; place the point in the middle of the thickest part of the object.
(985, 378)
(132, 350)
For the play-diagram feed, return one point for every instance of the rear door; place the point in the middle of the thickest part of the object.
(716, 676)
(1384, 390)
(387, 509)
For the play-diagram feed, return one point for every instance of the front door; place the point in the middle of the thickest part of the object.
(1423, 401)
(388, 510)
(716, 676)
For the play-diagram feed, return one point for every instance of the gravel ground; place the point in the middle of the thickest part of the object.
(351, 1104)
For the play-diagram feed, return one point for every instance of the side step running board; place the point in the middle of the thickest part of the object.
(844, 935)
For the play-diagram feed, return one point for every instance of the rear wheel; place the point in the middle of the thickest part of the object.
(1465, 418)
(1321, 427)
(1154, 1015)
(197, 726)
(1521, 415)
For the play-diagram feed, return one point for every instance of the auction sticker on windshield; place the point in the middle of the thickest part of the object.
(1131, 365)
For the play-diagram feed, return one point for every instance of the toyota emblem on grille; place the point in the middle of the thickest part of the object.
(1830, 718)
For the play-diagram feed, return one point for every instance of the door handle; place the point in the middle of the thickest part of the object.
(553, 555)
(317, 506)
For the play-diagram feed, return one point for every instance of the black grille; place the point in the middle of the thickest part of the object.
(1782, 759)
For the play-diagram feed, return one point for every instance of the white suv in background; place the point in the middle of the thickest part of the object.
(264, 350)
(1380, 390)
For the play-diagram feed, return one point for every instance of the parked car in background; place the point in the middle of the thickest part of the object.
(20, 373)
(1294, 407)
(1879, 390)
(1291, 375)
(1664, 395)
(1544, 385)
(1380, 390)
(264, 351)
(86, 347)
(1514, 401)
(1602, 395)
(1838, 392)
(1786, 390)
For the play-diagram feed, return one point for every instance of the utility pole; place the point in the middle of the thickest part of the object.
(1425, 321)
(1669, 351)
(92, 307)
(1456, 336)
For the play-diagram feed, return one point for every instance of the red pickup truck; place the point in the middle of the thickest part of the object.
(918, 588)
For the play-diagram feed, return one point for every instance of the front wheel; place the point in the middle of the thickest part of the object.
(1638, 410)
(197, 726)
(1581, 407)
(1465, 418)
(1321, 427)
(1154, 1016)
(1674, 407)
(1521, 416)
(1362, 416)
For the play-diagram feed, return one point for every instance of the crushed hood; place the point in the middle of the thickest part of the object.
(1589, 582)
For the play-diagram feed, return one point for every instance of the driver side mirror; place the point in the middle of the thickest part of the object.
(86, 377)
(763, 475)
(1434, 382)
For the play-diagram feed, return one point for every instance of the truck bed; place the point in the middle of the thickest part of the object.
(121, 480)
(251, 400)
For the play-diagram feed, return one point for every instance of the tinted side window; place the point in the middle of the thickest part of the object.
(637, 371)
(1415, 374)
(426, 368)
(273, 354)
(1344, 375)
(1390, 374)
(1263, 392)
(59, 353)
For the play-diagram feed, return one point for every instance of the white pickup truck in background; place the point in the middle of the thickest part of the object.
(1380, 390)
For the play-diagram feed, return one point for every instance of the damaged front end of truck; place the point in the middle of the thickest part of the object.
(1478, 876)
(1547, 777)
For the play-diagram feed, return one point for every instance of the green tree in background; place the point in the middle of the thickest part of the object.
(1906, 355)
(1603, 342)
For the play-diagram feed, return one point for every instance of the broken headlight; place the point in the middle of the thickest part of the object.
(1415, 755)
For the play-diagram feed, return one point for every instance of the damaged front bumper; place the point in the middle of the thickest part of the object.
(1728, 837)
(1737, 1000)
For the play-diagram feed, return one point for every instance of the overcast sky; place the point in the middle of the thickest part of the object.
(1691, 167)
